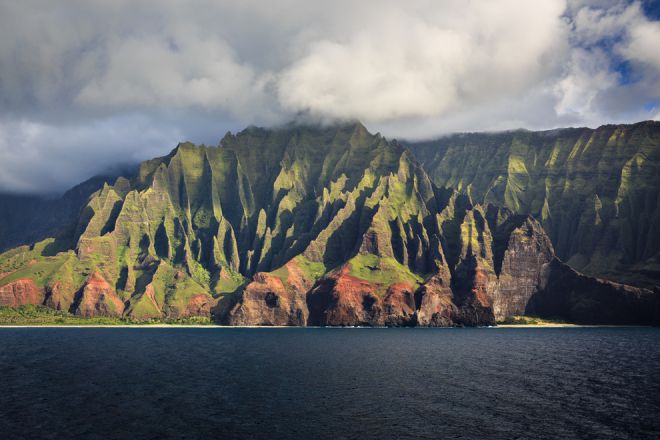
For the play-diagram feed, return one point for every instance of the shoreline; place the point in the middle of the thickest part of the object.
(215, 326)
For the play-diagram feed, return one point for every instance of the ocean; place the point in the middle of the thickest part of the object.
(329, 383)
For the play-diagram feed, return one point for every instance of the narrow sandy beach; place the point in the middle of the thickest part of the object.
(211, 326)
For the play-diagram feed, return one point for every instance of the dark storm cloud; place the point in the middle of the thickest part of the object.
(85, 85)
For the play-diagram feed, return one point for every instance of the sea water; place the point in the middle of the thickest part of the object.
(329, 383)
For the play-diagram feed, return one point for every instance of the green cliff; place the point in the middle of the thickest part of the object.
(596, 192)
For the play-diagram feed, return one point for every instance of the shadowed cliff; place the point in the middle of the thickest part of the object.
(595, 191)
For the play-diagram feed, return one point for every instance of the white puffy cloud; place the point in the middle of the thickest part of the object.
(404, 64)
(643, 44)
(588, 75)
(125, 80)
(150, 72)
(612, 73)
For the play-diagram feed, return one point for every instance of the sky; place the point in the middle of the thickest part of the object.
(88, 86)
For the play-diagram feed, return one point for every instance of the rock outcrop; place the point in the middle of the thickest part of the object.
(60, 296)
(399, 305)
(97, 298)
(199, 305)
(20, 292)
(266, 301)
(471, 294)
(342, 299)
(269, 300)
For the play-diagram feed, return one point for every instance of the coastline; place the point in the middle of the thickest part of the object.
(215, 326)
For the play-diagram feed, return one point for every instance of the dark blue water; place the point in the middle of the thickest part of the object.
(329, 383)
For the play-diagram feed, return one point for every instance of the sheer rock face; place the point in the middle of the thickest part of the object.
(471, 295)
(523, 269)
(20, 292)
(435, 303)
(342, 299)
(98, 298)
(579, 298)
(399, 305)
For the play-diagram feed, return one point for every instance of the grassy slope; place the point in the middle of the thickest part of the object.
(381, 271)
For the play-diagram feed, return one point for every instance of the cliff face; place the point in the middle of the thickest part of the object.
(595, 192)
(588, 300)
(527, 251)
(20, 292)
(501, 265)
(297, 226)
(97, 298)
(268, 301)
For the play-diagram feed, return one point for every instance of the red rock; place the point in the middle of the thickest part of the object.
(342, 299)
(399, 305)
(98, 298)
(199, 305)
(20, 292)
(268, 301)
(150, 293)
(59, 296)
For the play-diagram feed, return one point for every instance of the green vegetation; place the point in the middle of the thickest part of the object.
(39, 270)
(228, 282)
(530, 320)
(310, 270)
(590, 189)
(203, 220)
(382, 271)
(40, 315)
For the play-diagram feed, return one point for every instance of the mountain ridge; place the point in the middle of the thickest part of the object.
(594, 190)
(304, 225)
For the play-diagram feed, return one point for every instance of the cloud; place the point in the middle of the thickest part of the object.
(48, 158)
(588, 75)
(43, 158)
(86, 84)
(642, 44)
(613, 73)
(402, 64)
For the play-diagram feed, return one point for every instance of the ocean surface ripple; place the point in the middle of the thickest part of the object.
(155, 383)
